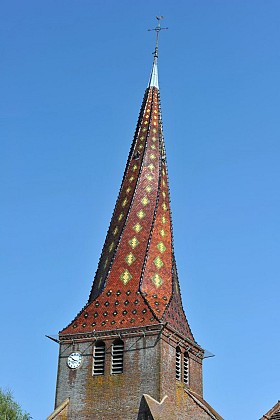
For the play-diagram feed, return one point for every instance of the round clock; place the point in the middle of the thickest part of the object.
(74, 360)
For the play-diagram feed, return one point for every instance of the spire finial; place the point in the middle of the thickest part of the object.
(154, 75)
(157, 29)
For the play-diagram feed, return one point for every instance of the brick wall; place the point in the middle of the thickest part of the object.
(109, 396)
(149, 368)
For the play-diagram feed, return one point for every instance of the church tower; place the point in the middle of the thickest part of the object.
(130, 354)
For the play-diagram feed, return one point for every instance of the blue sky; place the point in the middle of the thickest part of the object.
(73, 74)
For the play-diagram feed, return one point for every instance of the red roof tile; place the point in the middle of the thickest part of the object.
(136, 280)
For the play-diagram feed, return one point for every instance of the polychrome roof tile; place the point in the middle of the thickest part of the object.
(136, 280)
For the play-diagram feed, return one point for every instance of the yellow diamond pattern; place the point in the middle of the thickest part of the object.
(140, 146)
(105, 263)
(152, 156)
(134, 168)
(146, 122)
(137, 227)
(164, 194)
(131, 178)
(142, 138)
(149, 177)
(154, 138)
(163, 183)
(124, 203)
(141, 214)
(120, 217)
(125, 277)
(148, 188)
(130, 258)
(133, 242)
(157, 280)
(162, 232)
(164, 206)
(161, 247)
(111, 246)
(145, 201)
(163, 219)
(151, 166)
(153, 146)
(115, 231)
(128, 190)
(158, 262)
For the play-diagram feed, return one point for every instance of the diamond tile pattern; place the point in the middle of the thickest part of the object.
(158, 262)
(138, 243)
(133, 242)
(141, 214)
(161, 247)
(137, 227)
(145, 201)
(157, 280)
(130, 258)
(125, 277)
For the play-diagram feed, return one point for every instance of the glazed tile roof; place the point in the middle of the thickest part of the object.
(136, 280)
(275, 416)
(273, 413)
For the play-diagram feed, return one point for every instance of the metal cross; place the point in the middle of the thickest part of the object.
(157, 29)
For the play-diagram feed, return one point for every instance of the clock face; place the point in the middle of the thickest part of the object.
(74, 360)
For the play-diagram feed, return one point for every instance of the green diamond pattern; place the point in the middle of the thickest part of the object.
(130, 258)
(125, 277)
(161, 247)
(158, 262)
(133, 242)
(157, 280)
(162, 232)
(137, 227)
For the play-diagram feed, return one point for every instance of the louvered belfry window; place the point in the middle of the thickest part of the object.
(99, 358)
(117, 357)
(186, 368)
(178, 363)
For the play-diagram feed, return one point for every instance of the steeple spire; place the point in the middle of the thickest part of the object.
(136, 280)
(154, 74)
(131, 346)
